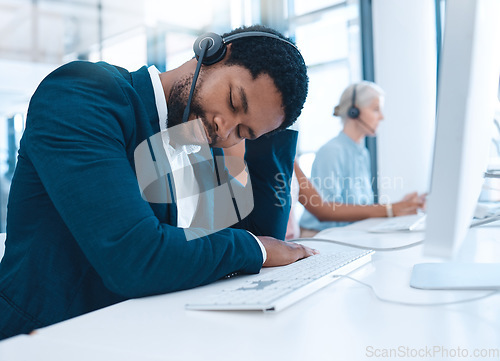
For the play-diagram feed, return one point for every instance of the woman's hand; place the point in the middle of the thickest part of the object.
(410, 204)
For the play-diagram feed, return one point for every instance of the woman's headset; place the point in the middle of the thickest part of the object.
(353, 111)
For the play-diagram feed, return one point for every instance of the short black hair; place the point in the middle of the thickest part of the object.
(281, 61)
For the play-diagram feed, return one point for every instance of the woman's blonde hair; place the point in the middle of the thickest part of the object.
(366, 91)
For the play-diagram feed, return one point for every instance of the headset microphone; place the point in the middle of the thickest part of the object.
(204, 45)
(354, 112)
(373, 131)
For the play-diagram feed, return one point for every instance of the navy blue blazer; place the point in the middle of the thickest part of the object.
(80, 236)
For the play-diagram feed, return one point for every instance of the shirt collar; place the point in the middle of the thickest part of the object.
(160, 99)
(161, 107)
(347, 140)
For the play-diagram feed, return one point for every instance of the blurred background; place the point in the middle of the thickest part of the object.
(393, 42)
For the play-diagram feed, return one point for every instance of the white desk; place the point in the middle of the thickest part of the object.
(343, 321)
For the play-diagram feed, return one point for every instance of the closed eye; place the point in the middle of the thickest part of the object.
(231, 104)
(250, 134)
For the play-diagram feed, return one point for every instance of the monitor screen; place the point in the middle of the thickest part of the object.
(467, 96)
(468, 82)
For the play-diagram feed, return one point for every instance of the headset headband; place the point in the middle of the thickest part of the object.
(353, 111)
(217, 45)
(247, 34)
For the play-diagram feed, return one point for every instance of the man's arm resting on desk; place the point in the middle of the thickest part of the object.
(93, 187)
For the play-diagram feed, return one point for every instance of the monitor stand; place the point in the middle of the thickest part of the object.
(456, 276)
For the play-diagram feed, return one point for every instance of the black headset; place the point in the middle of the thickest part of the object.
(353, 111)
(209, 48)
(217, 45)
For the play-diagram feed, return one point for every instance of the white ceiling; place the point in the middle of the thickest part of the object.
(37, 36)
(46, 30)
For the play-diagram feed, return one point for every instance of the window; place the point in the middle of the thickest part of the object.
(328, 35)
(132, 34)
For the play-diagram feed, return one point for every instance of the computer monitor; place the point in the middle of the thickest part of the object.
(467, 95)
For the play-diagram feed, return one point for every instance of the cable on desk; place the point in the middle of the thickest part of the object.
(401, 303)
(385, 249)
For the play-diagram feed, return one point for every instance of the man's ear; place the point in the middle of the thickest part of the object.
(228, 51)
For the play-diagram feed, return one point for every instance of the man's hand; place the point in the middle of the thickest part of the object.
(281, 253)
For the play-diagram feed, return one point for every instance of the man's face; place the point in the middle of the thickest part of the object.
(231, 104)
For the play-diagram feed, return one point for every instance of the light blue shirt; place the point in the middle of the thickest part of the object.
(341, 174)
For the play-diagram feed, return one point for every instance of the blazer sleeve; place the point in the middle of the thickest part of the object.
(80, 133)
(270, 165)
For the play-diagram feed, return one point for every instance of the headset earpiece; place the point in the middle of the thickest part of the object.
(353, 111)
(216, 48)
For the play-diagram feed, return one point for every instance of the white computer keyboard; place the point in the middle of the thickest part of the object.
(483, 214)
(283, 286)
(413, 222)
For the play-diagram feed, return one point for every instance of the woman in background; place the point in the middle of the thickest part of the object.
(340, 189)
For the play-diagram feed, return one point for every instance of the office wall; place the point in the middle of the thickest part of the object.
(404, 38)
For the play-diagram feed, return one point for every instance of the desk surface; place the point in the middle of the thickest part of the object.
(343, 321)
